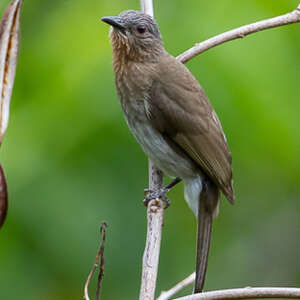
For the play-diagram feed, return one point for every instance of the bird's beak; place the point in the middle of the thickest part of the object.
(114, 21)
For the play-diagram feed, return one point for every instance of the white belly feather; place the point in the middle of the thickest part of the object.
(166, 159)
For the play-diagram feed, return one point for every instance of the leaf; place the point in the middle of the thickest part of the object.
(9, 46)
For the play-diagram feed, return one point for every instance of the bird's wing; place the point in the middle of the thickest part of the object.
(179, 109)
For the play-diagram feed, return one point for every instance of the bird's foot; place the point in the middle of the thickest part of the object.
(160, 194)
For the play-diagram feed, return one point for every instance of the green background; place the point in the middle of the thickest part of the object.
(71, 162)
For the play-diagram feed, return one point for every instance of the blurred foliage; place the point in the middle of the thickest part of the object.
(71, 161)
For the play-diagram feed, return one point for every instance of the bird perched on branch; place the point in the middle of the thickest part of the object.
(171, 117)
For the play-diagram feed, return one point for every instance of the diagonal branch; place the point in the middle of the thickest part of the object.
(289, 18)
(246, 293)
(166, 295)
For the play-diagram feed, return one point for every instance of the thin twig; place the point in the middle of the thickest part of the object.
(246, 293)
(289, 18)
(100, 255)
(166, 295)
(102, 261)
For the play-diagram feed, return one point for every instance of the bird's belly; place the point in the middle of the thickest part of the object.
(160, 152)
(170, 161)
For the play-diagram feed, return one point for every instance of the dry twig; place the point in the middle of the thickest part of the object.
(289, 18)
(99, 257)
(165, 295)
(246, 293)
(155, 212)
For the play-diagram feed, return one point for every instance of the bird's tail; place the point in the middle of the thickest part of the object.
(208, 203)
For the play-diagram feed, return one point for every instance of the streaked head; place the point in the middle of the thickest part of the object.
(134, 30)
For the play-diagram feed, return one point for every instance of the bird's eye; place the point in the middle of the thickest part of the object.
(141, 29)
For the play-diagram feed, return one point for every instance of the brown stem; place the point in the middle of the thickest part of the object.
(102, 260)
(99, 257)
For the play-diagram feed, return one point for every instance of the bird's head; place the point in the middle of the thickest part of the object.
(134, 34)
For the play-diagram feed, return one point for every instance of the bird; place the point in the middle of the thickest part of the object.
(170, 116)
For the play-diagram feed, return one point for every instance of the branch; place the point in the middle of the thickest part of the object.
(165, 295)
(155, 212)
(154, 216)
(289, 18)
(246, 293)
(151, 254)
(147, 7)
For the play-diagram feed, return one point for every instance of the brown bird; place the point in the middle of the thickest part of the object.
(171, 117)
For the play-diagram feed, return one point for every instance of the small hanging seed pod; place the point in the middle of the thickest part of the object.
(9, 46)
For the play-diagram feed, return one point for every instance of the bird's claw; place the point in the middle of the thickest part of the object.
(147, 191)
(160, 194)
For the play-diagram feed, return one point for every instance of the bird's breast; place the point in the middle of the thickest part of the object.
(133, 83)
(134, 80)
(155, 145)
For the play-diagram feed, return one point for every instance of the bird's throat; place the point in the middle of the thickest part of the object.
(125, 51)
